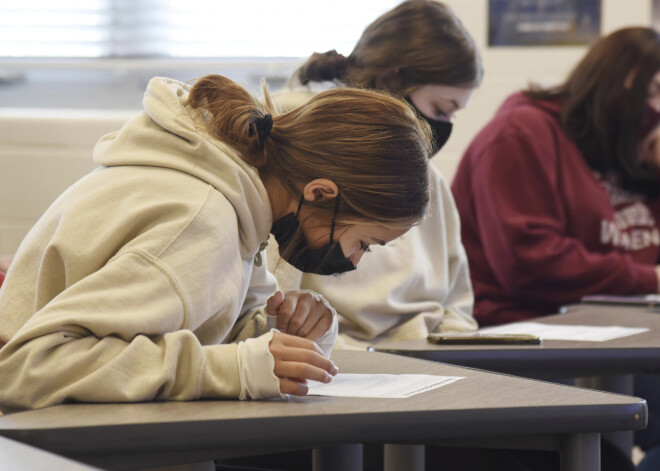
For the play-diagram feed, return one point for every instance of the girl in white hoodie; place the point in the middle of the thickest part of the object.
(146, 280)
(421, 51)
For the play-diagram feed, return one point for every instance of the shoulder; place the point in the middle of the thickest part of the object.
(519, 132)
(442, 207)
(526, 119)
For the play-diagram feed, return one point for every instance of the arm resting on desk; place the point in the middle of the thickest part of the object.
(100, 342)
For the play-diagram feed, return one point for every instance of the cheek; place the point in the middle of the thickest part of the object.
(347, 247)
(315, 237)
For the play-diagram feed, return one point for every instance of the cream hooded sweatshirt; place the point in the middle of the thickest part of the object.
(133, 282)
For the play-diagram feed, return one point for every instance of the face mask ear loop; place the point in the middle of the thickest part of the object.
(334, 219)
(300, 203)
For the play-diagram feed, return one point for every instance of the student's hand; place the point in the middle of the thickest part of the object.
(299, 314)
(296, 361)
(657, 272)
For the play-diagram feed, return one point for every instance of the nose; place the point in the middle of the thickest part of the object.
(655, 103)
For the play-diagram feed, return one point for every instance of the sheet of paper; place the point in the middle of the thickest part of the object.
(379, 385)
(566, 332)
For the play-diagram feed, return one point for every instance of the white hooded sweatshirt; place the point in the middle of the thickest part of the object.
(417, 284)
(133, 282)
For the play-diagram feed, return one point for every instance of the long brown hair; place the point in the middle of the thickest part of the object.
(603, 100)
(369, 143)
(419, 42)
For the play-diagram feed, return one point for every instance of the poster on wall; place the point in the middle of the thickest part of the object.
(543, 22)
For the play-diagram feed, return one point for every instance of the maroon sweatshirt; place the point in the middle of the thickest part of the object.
(540, 228)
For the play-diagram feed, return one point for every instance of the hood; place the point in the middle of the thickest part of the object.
(520, 100)
(169, 134)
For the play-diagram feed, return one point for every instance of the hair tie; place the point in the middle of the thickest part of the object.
(263, 126)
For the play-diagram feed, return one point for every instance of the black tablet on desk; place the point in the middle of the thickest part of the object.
(648, 300)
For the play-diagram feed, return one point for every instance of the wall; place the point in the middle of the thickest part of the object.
(43, 151)
(511, 69)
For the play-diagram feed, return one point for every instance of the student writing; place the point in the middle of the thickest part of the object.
(146, 279)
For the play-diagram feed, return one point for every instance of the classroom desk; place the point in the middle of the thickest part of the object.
(607, 366)
(15, 456)
(484, 409)
(556, 359)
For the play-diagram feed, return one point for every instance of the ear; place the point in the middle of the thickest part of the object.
(320, 189)
(389, 80)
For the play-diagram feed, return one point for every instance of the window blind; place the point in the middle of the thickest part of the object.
(182, 28)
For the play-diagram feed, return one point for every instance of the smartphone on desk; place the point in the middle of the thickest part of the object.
(483, 338)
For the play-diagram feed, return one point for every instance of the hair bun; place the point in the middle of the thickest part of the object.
(323, 66)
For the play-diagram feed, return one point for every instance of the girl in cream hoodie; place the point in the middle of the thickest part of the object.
(146, 280)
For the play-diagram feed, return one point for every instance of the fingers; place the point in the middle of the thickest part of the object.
(286, 312)
(301, 314)
(293, 341)
(319, 316)
(320, 328)
(301, 370)
(273, 303)
(298, 360)
(292, 387)
(293, 311)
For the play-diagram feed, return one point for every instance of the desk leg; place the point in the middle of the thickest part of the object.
(345, 457)
(580, 452)
(404, 457)
(620, 384)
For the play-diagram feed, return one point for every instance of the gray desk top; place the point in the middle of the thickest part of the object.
(482, 405)
(557, 358)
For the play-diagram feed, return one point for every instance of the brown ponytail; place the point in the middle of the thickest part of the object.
(322, 67)
(369, 143)
(419, 42)
(237, 115)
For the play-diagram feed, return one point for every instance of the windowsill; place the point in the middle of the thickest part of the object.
(120, 84)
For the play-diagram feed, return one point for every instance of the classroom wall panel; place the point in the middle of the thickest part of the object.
(41, 154)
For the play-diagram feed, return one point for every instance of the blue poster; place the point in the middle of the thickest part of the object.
(543, 22)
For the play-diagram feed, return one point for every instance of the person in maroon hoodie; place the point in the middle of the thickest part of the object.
(559, 195)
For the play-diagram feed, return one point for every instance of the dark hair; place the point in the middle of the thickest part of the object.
(419, 42)
(369, 143)
(603, 100)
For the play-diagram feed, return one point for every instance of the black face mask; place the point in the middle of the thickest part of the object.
(328, 260)
(441, 129)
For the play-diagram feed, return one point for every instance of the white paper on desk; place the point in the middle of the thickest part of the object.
(379, 385)
(566, 332)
